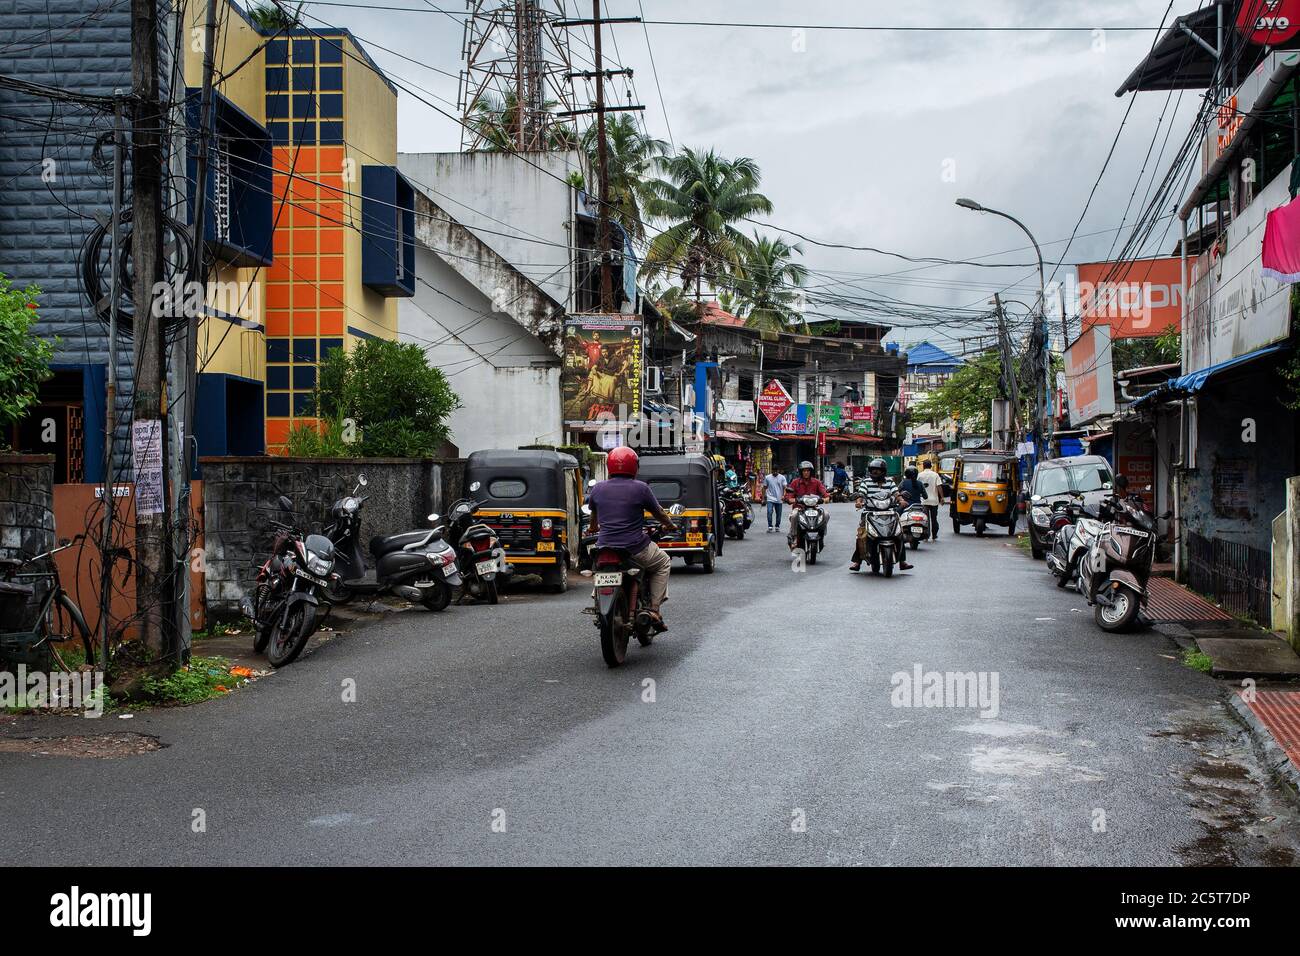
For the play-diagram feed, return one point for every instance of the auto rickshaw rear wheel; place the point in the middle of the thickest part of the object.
(709, 561)
(956, 526)
(1011, 527)
(557, 581)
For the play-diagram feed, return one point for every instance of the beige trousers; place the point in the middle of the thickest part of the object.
(656, 564)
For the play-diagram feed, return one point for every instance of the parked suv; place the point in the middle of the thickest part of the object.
(1053, 481)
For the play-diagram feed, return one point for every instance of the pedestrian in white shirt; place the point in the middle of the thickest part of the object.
(930, 480)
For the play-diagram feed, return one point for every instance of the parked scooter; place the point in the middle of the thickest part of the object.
(480, 556)
(880, 536)
(291, 586)
(737, 513)
(1074, 530)
(915, 522)
(810, 522)
(416, 565)
(1114, 574)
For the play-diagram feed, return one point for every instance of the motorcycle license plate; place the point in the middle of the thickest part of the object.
(609, 579)
(485, 567)
(310, 577)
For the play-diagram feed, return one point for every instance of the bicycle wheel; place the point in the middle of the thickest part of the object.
(67, 624)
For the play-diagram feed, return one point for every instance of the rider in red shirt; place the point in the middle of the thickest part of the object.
(805, 484)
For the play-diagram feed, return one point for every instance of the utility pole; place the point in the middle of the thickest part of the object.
(149, 402)
(110, 403)
(602, 158)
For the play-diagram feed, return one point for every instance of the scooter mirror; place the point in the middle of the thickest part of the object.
(361, 480)
(285, 503)
(1035, 497)
(676, 510)
(435, 516)
(591, 483)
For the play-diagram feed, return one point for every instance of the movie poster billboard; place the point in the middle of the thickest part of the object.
(600, 380)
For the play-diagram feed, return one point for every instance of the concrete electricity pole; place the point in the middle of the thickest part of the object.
(149, 403)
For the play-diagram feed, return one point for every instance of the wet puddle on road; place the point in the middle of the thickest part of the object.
(1244, 819)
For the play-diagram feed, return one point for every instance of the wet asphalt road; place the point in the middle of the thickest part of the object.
(768, 735)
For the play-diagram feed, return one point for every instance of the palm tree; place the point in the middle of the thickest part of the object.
(268, 16)
(495, 119)
(767, 285)
(630, 155)
(701, 195)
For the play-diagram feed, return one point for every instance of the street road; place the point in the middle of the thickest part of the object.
(768, 735)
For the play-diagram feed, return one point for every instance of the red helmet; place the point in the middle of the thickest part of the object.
(623, 461)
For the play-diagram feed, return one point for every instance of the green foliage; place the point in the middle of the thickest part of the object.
(701, 196)
(308, 440)
(396, 401)
(969, 393)
(269, 16)
(629, 155)
(202, 679)
(767, 284)
(1197, 660)
(1149, 350)
(496, 119)
(24, 358)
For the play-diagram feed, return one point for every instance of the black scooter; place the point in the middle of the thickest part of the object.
(810, 521)
(416, 565)
(479, 553)
(736, 512)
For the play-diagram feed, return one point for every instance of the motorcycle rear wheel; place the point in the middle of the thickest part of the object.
(613, 633)
(489, 593)
(288, 640)
(438, 597)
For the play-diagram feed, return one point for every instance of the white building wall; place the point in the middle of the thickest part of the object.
(507, 379)
(529, 200)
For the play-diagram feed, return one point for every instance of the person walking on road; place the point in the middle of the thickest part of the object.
(774, 494)
(933, 496)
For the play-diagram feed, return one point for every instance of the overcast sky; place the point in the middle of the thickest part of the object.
(867, 138)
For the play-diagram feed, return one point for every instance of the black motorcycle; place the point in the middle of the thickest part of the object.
(292, 585)
(880, 536)
(416, 565)
(621, 602)
(737, 513)
(810, 521)
(479, 554)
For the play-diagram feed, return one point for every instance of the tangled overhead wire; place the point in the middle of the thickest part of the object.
(95, 267)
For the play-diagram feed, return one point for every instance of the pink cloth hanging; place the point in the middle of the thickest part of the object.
(1281, 257)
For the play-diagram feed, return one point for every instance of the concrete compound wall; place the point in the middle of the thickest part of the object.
(26, 505)
(242, 494)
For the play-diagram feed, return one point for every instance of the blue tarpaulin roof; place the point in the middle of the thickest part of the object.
(930, 355)
(1195, 381)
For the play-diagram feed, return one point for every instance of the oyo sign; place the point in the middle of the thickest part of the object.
(1269, 22)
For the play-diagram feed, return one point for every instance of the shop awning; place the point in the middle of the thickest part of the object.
(729, 436)
(1195, 381)
(758, 437)
(854, 439)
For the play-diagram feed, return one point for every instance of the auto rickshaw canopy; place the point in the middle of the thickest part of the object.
(518, 478)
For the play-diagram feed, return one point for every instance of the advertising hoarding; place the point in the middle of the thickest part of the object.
(1138, 298)
(600, 380)
(1089, 376)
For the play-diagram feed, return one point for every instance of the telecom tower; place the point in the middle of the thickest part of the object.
(517, 59)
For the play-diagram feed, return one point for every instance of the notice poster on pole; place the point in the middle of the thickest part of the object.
(147, 461)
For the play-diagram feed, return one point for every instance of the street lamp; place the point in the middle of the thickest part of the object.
(1042, 304)
(1042, 283)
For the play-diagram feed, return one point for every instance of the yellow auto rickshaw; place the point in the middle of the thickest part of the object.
(986, 490)
(530, 498)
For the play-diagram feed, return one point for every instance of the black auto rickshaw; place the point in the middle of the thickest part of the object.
(686, 487)
(986, 490)
(531, 500)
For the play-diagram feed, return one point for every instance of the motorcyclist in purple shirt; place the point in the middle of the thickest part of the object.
(618, 507)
